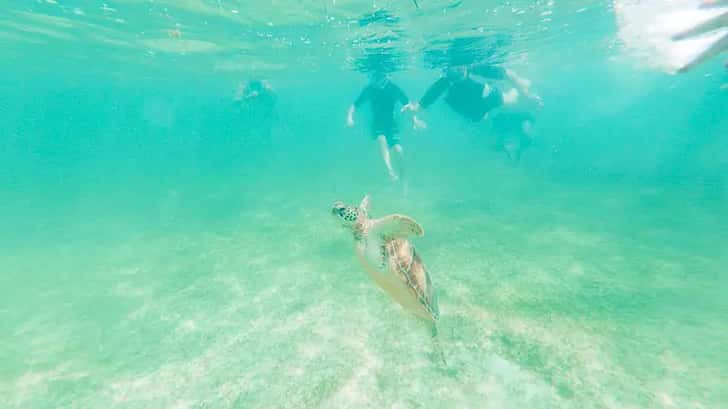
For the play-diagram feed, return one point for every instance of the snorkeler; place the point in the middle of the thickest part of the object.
(383, 94)
(255, 89)
(471, 91)
(257, 101)
(474, 93)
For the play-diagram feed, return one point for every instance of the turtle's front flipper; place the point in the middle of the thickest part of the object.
(396, 226)
(364, 205)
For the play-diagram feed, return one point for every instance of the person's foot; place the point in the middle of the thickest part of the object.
(393, 177)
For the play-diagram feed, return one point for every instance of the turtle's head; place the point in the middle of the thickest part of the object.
(351, 217)
(346, 214)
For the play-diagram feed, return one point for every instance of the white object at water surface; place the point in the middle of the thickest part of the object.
(648, 31)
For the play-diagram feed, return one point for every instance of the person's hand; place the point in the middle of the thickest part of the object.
(537, 99)
(417, 123)
(410, 107)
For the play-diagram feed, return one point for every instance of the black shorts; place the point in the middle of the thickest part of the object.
(389, 131)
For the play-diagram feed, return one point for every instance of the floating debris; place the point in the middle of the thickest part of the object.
(174, 33)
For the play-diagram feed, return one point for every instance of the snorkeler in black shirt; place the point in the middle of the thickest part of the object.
(469, 91)
(383, 94)
(474, 93)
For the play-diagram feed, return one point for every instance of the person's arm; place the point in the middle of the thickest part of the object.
(431, 95)
(523, 84)
(434, 92)
(408, 106)
(489, 71)
(494, 72)
(363, 97)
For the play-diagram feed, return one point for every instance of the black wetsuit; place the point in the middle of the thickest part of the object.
(258, 114)
(382, 100)
(465, 95)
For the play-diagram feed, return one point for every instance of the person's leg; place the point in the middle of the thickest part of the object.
(526, 137)
(512, 149)
(384, 149)
(399, 152)
(518, 140)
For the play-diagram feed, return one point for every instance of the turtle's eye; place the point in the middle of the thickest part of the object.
(343, 213)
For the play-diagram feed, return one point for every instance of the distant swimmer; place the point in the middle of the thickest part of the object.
(472, 92)
(382, 95)
(256, 101)
(254, 90)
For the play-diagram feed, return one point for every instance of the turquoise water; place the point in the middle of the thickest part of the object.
(159, 251)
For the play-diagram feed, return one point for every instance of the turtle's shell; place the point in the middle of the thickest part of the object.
(402, 259)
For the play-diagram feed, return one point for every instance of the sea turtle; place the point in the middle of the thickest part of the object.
(384, 250)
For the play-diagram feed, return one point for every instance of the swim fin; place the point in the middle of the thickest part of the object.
(717, 48)
(714, 23)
